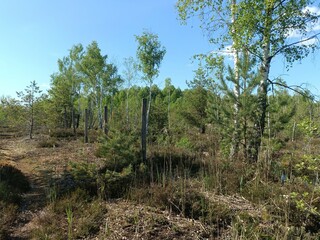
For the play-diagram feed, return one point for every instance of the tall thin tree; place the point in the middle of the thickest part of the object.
(30, 97)
(150, 54)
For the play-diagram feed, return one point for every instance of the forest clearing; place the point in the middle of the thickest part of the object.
(104, 152)
(41, 210)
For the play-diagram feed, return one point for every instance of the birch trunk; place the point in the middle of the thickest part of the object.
(149, 106)
(263, 87)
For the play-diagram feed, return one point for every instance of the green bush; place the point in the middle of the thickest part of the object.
(184, 143)
(62, 133)
(48, 143)
(115, 185)
(119, 151)
(102, 182)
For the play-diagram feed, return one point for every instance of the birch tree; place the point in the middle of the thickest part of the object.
(269, 32)
(263, 28)
(129, 74)
(101, 77)
(150, 54)
(218, 19)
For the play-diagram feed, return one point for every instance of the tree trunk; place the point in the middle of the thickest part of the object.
(105, 120)
(86, 123)
(31, 123)
(236, 133)
(262, 103)
(99, 102)
(144, 131)
(149, 106)
(65, 118)
(73, 120)
(127, 108)
(263, 87)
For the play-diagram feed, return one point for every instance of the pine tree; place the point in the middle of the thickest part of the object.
(30, 97)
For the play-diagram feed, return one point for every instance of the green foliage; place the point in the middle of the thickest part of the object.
(282, 110)
(308, 128)
(194, 107)
(60, 133)
(190, 131)
(30, 98)
(184, 143)
(253, 29)
(70, 221)
(292, 17)
(119, 150)
(115, 176)
(231, 108)
(102, 182)
(116, 184)
(66, 88)
(85, 176)
(85, 80)
(10, 113)
(307, 169)
(150, 54)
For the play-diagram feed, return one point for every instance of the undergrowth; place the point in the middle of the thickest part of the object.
(87, 217)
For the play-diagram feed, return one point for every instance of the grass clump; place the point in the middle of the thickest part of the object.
(8, 215)
(185, 199)
(74, 216)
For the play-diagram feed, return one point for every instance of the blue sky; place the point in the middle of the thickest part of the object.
(35, 33)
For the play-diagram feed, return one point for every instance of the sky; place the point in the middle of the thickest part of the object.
(36, 33)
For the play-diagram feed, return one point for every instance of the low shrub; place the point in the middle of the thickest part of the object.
(102, 182)
(87, 217)
(62, 133)
(184, 199)
(48, 143)
(119, 151)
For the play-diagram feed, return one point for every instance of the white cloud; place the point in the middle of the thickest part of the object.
(312, 27)
(293, 34)
(227, 51)
(312, 9)
(309, 42)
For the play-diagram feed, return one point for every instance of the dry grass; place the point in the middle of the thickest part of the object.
(93, 218)
(175, 206)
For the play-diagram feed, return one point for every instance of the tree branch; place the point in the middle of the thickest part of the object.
(295, 43)
(293, 88)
